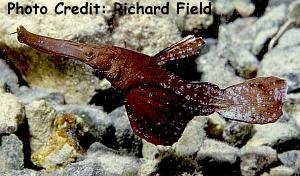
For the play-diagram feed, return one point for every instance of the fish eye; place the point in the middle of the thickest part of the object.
(89, 54)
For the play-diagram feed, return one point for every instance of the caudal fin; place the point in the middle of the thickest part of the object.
(257, 100)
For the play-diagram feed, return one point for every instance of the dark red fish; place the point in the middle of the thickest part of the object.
(160, 104)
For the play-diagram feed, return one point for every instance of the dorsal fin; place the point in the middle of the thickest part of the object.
(188, 46)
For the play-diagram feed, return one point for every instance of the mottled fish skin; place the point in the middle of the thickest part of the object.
(159, 104)
(257, 100)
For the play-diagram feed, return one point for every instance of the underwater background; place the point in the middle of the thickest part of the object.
(58, 118)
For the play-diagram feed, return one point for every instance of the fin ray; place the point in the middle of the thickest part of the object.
(187, 47)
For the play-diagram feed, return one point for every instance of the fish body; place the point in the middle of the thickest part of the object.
(159, 104)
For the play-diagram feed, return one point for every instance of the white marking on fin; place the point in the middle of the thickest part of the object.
(187, 47)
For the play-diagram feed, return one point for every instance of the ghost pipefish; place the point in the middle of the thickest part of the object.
(159, 104)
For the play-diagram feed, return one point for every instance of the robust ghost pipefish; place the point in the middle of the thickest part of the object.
(159, 104)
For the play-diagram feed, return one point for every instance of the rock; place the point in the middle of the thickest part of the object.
(179, 165)
(184, 21)
(294, 10)
(27, 95)
(217, 151)
(232, 55)
(87, 167)
(92, 27)
(223, 75)
(255, 159)
(239, 33)
(237, 133)
(11, 113)
(84, 168)
(112, 162)
(159, 31)
(159, 160)
(53, 141)
(8, 77)
(292, 107)
(24, 172)
(188, 144)
(196, 22)
(215, 125)
(94, 117)
(210, 44)
(126, 140)
(244, 7)
(2, 87)
(40, 116)
(244, 62)
(104, 84)
(273, 3)
(52, 160)
(250, 33)
(113, 130)
(69, 77)
(149, 167)
(192, 137)
(291, 159)
(283, 60)
(153, 34)
(274, 133)
(62, 148)
(282, 171)
(291, 38)
(222, 7)
(268, 25)
(155, 152)
(40, 71)
(97, 146)
(11, 153)
(225, 57)
(195, 173)
(293, 21)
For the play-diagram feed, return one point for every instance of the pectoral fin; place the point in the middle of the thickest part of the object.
(187, 47)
